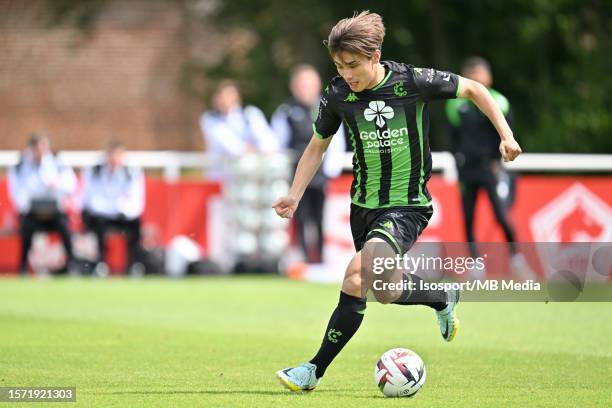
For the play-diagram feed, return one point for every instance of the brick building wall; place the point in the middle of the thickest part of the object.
(120, 79)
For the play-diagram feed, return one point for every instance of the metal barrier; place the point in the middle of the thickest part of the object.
(171, 163)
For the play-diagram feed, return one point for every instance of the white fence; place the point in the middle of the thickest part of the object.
(171, 163)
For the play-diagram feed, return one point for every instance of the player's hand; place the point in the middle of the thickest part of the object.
(509, 149)
(285, 206)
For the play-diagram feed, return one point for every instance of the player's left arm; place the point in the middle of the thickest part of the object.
(479, 94)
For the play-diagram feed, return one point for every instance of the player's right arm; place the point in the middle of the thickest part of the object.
(434, 84)
(307, 167)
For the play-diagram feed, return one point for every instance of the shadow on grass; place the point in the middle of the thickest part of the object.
(233, 392)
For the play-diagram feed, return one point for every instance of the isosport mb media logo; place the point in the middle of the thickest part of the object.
(386, 140)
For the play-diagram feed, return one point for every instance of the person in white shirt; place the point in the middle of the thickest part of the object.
(113, 199)
(38, 186)
(231, 130)
(292, 123)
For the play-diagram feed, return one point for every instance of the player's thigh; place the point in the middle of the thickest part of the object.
(375, 262)
(400, 227)
(380, 270)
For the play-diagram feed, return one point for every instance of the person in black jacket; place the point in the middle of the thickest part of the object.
(292, 123)
(474, 143)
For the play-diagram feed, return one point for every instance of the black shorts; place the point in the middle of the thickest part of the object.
(398, 226)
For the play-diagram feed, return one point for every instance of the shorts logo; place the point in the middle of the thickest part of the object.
(388, 225)
(377, 111)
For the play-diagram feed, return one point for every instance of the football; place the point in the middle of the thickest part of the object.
(399, 373)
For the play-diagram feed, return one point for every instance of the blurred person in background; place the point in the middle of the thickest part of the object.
(474, 143)
(292, 123)
(113, 199)
(38, 186)
(232, 130)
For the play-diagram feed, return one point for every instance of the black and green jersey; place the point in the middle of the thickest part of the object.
(388, 127)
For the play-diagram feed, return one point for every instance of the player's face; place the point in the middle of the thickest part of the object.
(227, 98)
(306, 87)
(115, 158)
(479, 73)
(40, 149)
(357, 70)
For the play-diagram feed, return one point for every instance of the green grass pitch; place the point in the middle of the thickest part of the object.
(216, 342)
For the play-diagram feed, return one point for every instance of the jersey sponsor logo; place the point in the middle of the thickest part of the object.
(390, 138)
(378, 112)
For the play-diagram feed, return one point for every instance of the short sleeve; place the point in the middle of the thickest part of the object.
(328, 120)
(433, 84)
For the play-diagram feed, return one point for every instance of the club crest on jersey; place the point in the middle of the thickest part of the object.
(378, 111)
(398, 89)
(382, 138)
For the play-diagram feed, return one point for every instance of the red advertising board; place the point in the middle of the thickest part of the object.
(547, 208)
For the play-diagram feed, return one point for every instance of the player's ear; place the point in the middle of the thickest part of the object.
(376, 56)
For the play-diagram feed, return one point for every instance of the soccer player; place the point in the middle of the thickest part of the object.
(384, 105)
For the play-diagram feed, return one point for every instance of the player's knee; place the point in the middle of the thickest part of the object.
(351, 286)
(352, 283)
(381, 265)
(386, 296)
